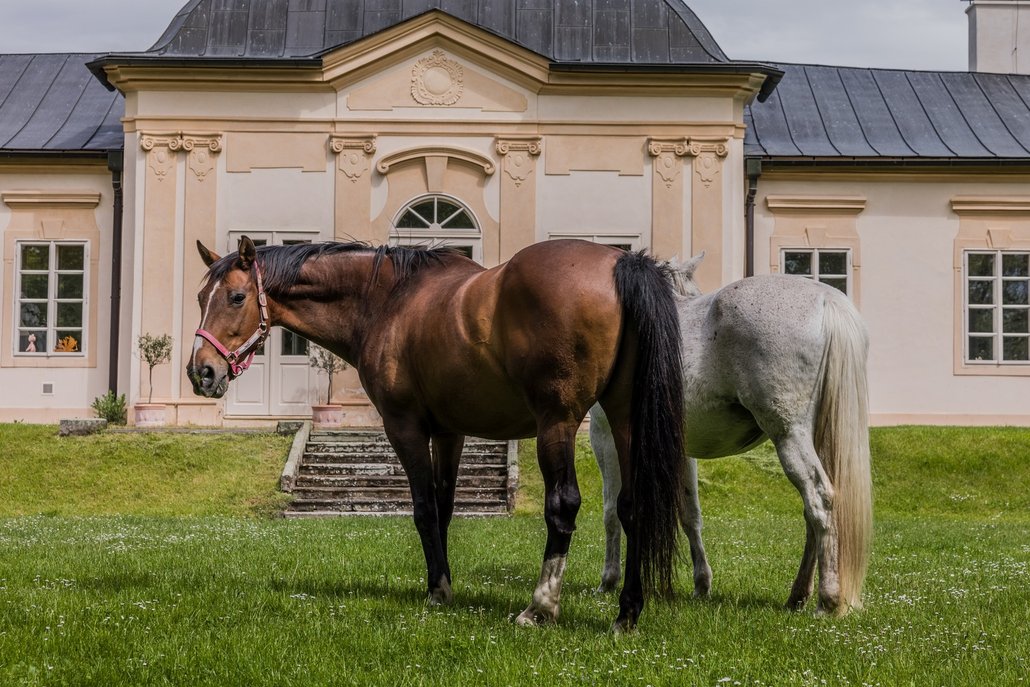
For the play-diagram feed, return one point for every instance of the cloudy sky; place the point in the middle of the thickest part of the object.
(910, 34)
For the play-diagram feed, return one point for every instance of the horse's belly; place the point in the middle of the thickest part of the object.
(725, 430)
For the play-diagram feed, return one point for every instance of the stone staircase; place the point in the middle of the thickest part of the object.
(356, 472)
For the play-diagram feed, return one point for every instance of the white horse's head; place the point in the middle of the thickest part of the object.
(682, 275)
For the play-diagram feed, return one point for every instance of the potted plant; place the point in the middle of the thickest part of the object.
(153, 350)
(328, 414)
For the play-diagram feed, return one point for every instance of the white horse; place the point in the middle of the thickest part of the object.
(782, 358)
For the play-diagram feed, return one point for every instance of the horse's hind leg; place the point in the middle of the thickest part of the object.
(692, 524)
(802, 465)
(556, 453)
(801, 590)
(603, 444)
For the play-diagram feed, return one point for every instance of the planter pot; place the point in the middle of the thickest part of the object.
(149, 415)
(327, 415)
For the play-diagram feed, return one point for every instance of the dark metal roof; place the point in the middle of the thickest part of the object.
(846, 112)
(51, 103)
(605, 31)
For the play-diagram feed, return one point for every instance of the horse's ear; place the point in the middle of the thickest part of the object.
(248, 253)
(688, 268)
(209, 257)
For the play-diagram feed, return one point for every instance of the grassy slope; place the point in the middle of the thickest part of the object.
(229, 600)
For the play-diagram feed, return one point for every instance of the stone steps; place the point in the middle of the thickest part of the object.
(356, 472)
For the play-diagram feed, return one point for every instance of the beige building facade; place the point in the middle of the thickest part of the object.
(432, 128)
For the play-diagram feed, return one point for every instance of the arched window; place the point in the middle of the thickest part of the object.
(438, 221)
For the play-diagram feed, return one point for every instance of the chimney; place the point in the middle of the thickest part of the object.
(999, 36)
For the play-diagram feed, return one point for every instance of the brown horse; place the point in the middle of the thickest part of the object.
(445, 348)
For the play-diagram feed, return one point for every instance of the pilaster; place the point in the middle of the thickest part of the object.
(353, 219)
(518, 197)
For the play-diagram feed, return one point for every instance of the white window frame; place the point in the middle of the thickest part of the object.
(52, 299)
(632, 240)
(998, 308)
(436, 235)
(817, 273)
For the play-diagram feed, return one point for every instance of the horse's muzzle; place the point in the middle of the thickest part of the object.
(207, 382)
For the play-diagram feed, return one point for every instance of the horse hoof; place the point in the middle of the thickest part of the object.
(441, 596)
(623, 627)
(606, 587)
(535, 617)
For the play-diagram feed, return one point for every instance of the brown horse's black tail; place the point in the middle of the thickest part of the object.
(656, 447)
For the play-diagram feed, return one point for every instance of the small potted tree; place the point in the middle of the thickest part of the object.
(328, 414)
(153, 350)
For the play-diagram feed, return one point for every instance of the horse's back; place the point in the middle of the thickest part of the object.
(501, 342)
(752, 357)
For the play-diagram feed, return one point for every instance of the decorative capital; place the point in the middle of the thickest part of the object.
(437, 80)
(707, 152)
(338, 144)
(518, 152)
(200, 147)
(668, 146)
(354, 153)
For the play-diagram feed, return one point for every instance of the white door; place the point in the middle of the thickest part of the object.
(280, 381)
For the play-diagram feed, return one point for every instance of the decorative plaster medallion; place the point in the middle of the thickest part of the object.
(436, 80)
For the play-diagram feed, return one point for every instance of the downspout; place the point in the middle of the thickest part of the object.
(115, 163)
(753, 169)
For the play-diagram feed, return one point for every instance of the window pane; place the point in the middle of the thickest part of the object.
(981, 348)
(410, 220)
(1014, 293)
(426, 209)
(69, 314)
(1015, 265)
(981, 292)
(460, 221)
(70, 257)
(68, 341)
(444, 209)
(1015, 348)
(35, 286)
(35, 257)
(32, 342)
(294, 344)
(33, 314)
(797, 263)
(1015, 321)
(981, 321)
(464, 250)
(69, 286)
(981, 264)
(839, 284)
(833, 263)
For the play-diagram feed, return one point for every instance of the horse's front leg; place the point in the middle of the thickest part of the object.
(556, 453)
(692, 524)
(446, 459)
(412, 446)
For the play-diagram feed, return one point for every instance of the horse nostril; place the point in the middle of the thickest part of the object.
(207, 375)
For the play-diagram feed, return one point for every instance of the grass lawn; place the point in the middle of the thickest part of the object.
(148, 559)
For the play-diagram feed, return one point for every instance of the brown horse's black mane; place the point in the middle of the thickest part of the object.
(281, 265)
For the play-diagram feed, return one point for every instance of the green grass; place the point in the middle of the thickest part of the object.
(204, 593)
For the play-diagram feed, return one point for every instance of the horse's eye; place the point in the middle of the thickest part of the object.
(238, 298)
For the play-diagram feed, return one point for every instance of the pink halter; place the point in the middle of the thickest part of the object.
(236, 365)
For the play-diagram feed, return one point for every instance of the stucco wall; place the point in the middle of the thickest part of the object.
(907, 234)
(68, 203)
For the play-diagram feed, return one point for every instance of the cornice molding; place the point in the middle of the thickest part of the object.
(50, 199)
(854, 204)
(990, 204)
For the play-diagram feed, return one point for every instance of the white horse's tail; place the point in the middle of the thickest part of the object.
(842, 442)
